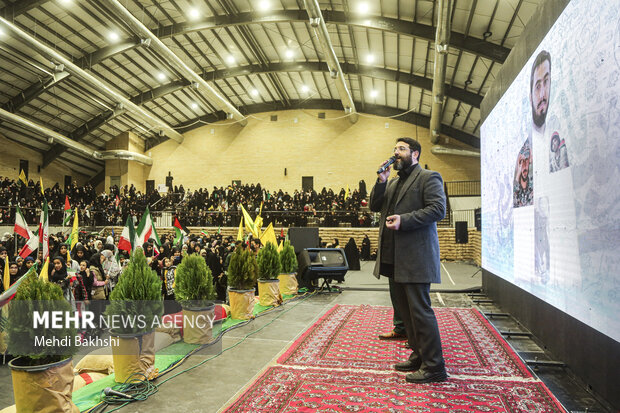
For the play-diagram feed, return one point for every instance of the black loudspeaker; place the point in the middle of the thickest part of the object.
(461, 232)
(478, 219)
(302, 238)
(326, 263)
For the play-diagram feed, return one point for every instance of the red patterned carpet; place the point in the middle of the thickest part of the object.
(346, 337)
(339, 365)
(288, 389)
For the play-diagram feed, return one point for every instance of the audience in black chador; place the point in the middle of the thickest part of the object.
(352, 254)
(218, 207)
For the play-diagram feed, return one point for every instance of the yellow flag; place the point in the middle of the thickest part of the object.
(44, 270)
(76, 229)
(249, 222)
(41, 182)
(240, 232)
(346, 193)
(269, 236)
(280, 247)
(22, 177)
(7, 274)
(258, 223)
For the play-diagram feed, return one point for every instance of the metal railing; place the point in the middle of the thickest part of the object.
(462, 188)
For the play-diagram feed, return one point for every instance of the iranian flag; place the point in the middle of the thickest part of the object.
(44, 231)
(146, 229)
(21, 227)
(128, 236)
(30, 247)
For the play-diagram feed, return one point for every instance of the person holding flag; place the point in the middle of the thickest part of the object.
(181, 232)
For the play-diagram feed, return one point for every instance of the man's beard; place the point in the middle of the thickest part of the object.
(403, 163)
(539, 120)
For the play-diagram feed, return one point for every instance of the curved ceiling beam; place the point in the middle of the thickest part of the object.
(335, 104)
(379, 73)
(469, 44)
(421, 82)
(78, 134)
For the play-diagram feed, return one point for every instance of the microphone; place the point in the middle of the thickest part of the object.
(387, 165)
(108, 391)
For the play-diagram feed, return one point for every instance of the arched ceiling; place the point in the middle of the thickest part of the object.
(260, 55)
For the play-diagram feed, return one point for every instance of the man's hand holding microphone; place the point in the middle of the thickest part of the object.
(393, 221)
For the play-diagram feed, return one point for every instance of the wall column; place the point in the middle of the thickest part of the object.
(130, 172)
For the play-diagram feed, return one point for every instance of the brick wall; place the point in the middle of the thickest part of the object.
(334, 151)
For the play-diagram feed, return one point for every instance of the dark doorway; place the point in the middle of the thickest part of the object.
(307, 183)
(150, 186)
(67, 182)
(23, 166)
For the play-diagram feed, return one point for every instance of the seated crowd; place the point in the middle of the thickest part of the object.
(218, 207)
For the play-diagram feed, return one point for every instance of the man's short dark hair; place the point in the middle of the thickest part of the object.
(413, 145)
(540, 59)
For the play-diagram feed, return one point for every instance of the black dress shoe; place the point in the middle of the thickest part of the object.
(421, 376)
(408, 365)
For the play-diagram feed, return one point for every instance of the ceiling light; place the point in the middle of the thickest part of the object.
(373, 93)
(194, 14)
(161, 76)
(289, 53)
(263, 5)
(113, 36)
(304, 89)
(254, 92)
(1, 32)
(363, 8)
(230, 59)
(370, 58)
(194, 105)
(65, 1)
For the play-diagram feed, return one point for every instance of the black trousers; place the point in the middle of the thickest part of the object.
(413, 302)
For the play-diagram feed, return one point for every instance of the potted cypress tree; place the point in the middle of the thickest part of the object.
(288, 279)
(242, 274)
(137, 301)
(43, 374)
(268, 270)
(194, 290)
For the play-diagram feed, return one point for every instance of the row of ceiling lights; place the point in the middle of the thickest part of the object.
(263, 5)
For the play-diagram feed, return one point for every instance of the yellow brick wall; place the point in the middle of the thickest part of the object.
(334, 151)
(12, 152)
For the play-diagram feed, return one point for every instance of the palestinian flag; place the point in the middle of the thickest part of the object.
(21, 226)
(181, 231)
(128, 236)
(117, 202)
(67, 213)
(146, 229)
(44, 232)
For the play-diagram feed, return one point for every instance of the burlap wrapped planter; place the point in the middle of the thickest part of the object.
(197, 327)
(269, 293)
(133, 353)
(43, 389)
(241, 304)
(288, 283)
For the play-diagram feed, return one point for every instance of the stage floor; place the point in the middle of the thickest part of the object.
(210, 387)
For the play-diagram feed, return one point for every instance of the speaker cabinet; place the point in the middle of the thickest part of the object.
(327, 263)
(302, 238)
(461, 232)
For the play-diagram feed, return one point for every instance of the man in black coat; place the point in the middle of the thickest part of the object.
(410, 205)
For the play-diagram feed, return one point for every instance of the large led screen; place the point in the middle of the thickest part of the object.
(551, 170)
